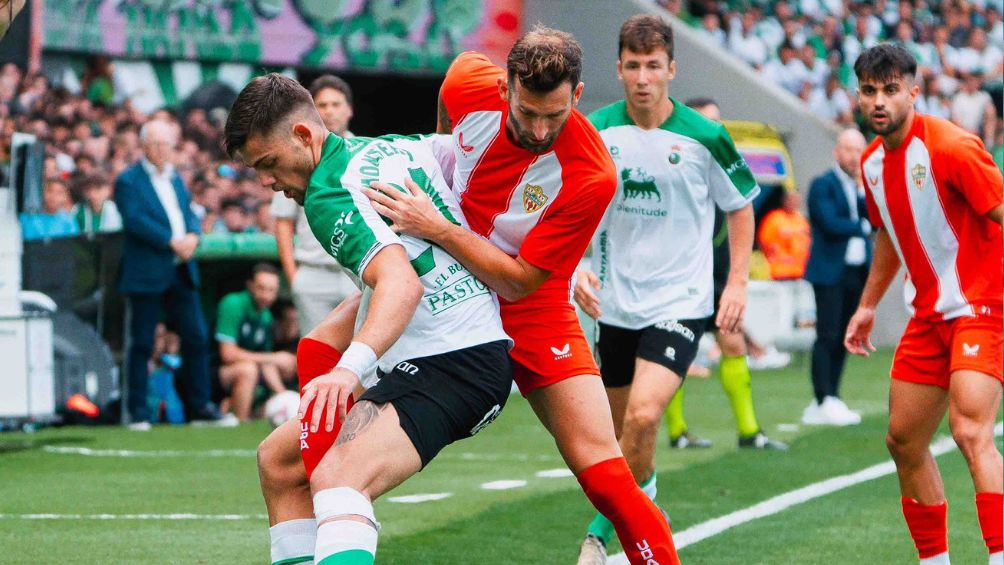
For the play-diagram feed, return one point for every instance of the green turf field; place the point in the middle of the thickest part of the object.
(210, 473)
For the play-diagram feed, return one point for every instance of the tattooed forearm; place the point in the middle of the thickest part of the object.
(360, 417)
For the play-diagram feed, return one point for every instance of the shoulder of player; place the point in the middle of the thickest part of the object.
(942, 138)
(688, 122)
(608, 116)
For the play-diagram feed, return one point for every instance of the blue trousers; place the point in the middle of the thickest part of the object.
(181, 303)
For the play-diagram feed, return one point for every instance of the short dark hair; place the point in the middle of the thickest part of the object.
(264, 267)
(645, 33)
(261, 106)
(233, 203)
(331, 81)
(700, 102)
(885, 61)
(543, 58)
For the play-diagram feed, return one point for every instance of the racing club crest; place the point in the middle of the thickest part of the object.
(919, 175)
(533, 198)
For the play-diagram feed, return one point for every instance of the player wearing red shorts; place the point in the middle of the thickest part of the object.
(534, 179)
(934, 194)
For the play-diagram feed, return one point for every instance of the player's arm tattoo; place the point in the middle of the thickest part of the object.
(360, 417)
(443, 123)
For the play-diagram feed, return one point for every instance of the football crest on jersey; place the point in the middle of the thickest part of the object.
(675, 155)
(919, 175)
(533, 198)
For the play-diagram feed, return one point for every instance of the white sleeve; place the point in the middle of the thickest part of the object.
(283, 208)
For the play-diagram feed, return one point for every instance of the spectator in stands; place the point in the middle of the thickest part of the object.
(787, 71)
(744, 42)
(318, 282)
(784, 239)
(831, 102)
(96, 212)
(54, 220)
(931, 101)
(235, 217)
(816, 69)
(973, 109)
(161, 235)
(837, 267)
(245, 334)
(711, 27)
(861, 39)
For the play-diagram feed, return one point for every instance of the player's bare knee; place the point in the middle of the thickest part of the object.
(970, 436)
(642, 416)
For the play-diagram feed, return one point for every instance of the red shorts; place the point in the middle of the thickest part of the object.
(929, 352)
(549, 345)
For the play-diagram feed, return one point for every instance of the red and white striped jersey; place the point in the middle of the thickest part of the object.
(931, 194)
(543, 207)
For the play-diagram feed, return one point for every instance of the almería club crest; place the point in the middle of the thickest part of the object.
(919, 175)
(533, 198)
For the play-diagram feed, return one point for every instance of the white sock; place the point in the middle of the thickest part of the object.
(293, 542)
(649, 488)
(996, 558)
(337, 535)
(939, 559)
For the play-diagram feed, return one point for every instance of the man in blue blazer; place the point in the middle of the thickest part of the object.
(837, 268)
(157, 271)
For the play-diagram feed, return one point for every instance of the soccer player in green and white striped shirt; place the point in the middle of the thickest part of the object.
(428, 326)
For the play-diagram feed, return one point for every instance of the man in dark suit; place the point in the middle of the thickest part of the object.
(161, 234)
(837, 268)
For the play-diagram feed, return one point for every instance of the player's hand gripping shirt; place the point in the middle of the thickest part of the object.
(653, 250)
(457, 310)
(540, 206)
(931, 194)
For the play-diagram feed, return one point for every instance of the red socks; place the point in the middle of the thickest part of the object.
(640, 525)
(989, 509)
(928, 526)
(313, 359)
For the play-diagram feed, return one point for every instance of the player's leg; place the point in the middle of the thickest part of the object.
(397, 428)
(975, 398)
(575, 410)
(653, 388)
(240, 379)
(282, 463)
(738, 386)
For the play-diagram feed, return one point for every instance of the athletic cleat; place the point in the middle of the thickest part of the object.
(593, 551)
(760, 440)
(687, 441)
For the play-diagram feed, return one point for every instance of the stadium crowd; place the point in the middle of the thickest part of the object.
(808, 47)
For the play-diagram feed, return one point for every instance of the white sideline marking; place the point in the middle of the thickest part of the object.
(788, 427)
(781, 502)
(86, 451)
(555, 473)
(417, 498)
(134, 516)
(503, 485)
(468, 456)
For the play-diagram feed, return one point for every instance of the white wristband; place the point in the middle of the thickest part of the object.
(358, 358)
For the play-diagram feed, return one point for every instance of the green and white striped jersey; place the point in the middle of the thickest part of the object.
(457, 310)
(652, 251)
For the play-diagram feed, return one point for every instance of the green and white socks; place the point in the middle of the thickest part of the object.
(293, 542)
(603, 529)
(341, 538)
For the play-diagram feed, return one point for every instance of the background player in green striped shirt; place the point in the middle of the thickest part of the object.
(650, 284)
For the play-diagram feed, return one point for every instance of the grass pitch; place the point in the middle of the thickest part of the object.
(190, 495)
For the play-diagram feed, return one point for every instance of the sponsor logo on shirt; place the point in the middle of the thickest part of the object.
(970, 350)
(919, 175)
(736, 167)
(675, 155)
(338, 234)
(455, 293)
(673, 326)
(615, 152)
(563, 353)
(533, 198)
(639, 184)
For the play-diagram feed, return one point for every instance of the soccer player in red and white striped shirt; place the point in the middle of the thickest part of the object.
(934, 194)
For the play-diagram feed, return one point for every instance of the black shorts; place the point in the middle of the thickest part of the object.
(672, 344)
(442, 398)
